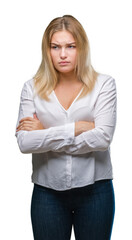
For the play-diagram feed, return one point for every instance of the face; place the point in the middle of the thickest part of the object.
(63, 51)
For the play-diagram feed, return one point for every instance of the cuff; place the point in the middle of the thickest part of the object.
(70, 132)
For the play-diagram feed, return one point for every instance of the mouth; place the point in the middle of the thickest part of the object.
(63, 63)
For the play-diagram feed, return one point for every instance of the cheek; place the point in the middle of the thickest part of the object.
(53, 57)
(74, 58)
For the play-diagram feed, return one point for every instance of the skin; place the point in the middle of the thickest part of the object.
(63, 53)
(64, 57)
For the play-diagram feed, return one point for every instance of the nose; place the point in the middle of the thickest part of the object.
(63, 54)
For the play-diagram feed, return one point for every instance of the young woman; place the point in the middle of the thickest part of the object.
(66, 120)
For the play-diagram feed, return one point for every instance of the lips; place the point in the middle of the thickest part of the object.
(63, 63)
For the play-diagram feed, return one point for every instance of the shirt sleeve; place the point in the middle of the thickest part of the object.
(37, 141)
(99, 138)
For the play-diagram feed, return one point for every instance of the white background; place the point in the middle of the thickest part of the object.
(108, 26)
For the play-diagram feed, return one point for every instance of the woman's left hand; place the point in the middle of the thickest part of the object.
(30, 124)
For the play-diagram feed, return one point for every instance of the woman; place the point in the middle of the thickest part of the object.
(66, 120)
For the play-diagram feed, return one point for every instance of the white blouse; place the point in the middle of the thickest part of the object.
(60, 160)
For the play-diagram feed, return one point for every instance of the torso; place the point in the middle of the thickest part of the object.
(67, 94)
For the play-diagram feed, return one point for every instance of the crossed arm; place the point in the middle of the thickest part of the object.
(73, 138)
(30, 124)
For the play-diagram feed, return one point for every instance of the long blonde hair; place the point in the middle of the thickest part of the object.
(46, 77)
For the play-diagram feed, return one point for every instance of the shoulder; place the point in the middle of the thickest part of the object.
(28, 88)
(105, 81)
(102, 78)
(29, 83)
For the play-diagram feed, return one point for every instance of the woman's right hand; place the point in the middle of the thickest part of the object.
(83, 126)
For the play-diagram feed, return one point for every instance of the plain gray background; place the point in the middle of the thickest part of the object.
(108, 26)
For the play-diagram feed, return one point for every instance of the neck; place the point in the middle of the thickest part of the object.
(68, 78)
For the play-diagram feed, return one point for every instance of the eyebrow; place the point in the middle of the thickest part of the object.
(70, 43)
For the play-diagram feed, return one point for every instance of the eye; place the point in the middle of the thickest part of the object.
(54, 47)
(71, 46)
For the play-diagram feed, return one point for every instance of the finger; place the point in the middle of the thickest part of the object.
(24, 124)
(35, 116)
(20, 125)
(25, 128)
(26, 119)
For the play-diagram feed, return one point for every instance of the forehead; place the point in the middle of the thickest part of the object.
(62, 37)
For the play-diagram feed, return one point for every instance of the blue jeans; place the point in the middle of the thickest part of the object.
(90, 210)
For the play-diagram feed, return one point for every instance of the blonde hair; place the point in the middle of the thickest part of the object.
(46, 77)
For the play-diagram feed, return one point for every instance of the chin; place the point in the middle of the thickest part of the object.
(65, 70)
